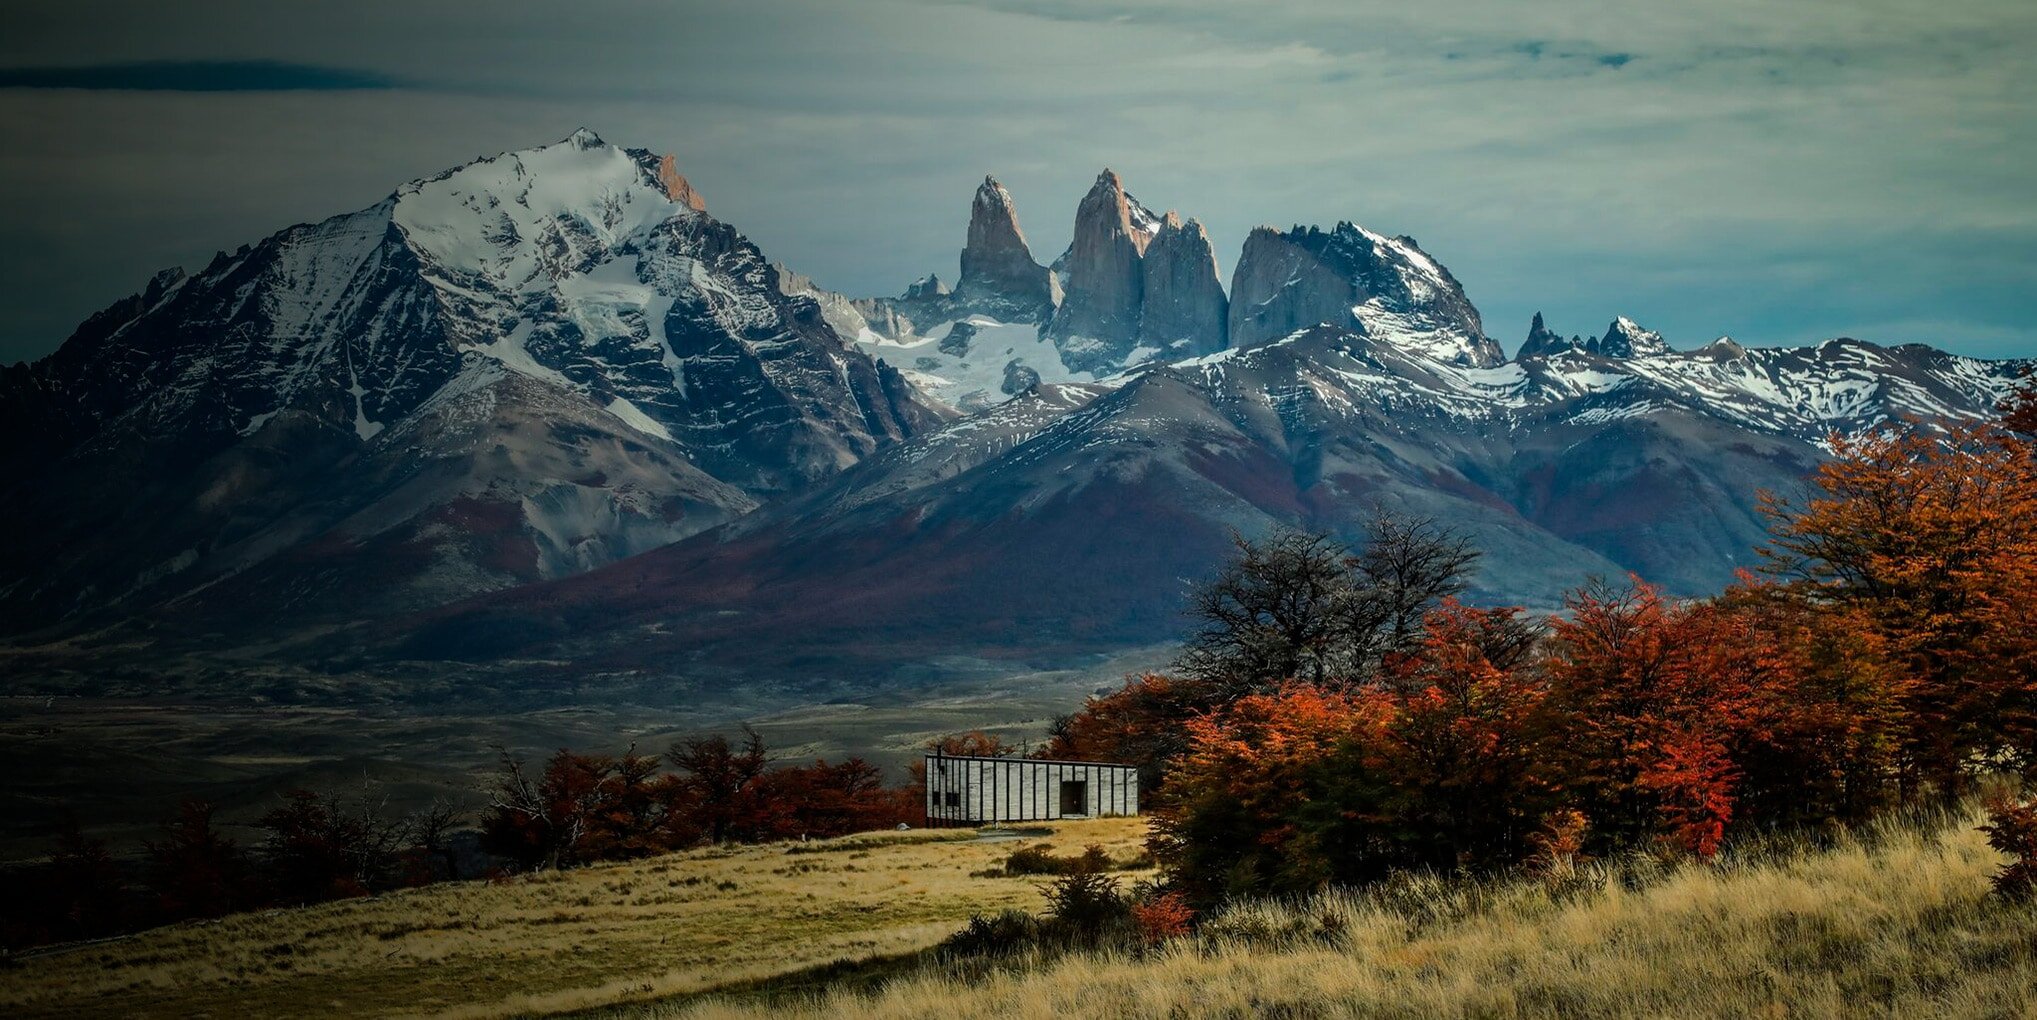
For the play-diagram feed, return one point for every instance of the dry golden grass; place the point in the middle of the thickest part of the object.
(1897, 924)
(669, 926)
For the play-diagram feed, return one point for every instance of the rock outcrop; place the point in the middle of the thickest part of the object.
(1018, 378)
(1542, 341)
(956, 342)
(677, 188)
(1352, 277)
(1183, 312)
(999, 277)
(1104, 286)
(1626, 339)
(842, 313)
(926, 288)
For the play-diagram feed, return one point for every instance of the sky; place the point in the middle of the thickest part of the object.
(1779, 172)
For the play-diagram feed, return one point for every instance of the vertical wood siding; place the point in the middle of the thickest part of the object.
(984, 791)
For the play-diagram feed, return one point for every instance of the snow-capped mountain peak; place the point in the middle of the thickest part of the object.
(516, 216)
(557, 342)
(1355, 278)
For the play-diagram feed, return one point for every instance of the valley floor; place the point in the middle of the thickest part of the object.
(120, 762)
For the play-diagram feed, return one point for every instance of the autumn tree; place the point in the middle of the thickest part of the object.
(1436, 766)
(1928, 535)
(429, 835)
(1645, 697)
(320, 848)
(1140, 723)
(1457, 779)
(193, 871)
(1819, 742)
(822, 800)
(722, 776)
(580, 808)
(631, 809)
(1231, 823)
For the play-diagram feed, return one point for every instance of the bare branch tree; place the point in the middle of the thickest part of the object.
(1299, 605)
(1408, 566)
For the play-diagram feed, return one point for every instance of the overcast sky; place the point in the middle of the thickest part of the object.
(1783, 172)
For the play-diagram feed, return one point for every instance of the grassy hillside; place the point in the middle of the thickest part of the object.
(1897, 923)
(552, 942)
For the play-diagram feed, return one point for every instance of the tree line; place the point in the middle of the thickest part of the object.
(574, 809)
(581, 808)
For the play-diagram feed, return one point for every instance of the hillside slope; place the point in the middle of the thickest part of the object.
(1898, 926)
(678, 924)
(1074, 518)
(1894, 922)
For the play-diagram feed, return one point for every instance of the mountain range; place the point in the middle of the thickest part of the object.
(546, 405)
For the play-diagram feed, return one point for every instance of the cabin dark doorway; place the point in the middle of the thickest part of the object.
(1074, 797)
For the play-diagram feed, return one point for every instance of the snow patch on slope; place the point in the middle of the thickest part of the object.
(972, 378)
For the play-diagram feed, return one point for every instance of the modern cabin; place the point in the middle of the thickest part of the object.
(964, 790)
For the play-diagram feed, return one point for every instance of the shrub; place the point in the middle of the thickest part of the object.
(1162, 916)
(1086, 903)
(2012, 829)
(1001, 934)
(1040, 860)
(1559, 844)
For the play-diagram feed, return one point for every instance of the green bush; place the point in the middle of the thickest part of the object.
(1040, 860)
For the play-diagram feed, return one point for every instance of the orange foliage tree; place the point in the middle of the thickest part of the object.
(1139, 724)
(1232, 821)
(821, 800)
(1928, 536)
(1436, 765)
(1458, 771)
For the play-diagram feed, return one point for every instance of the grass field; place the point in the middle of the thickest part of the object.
(1894, 922)
(1897, 923)
(559, 941)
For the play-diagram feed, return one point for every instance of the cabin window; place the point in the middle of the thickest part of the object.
(952, 798)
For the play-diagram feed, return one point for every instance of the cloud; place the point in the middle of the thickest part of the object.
(1782, 172)
(195, 76)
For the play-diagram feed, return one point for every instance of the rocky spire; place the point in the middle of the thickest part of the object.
(1541, 341)
(1183, 310)
(1626, 339)
(999, 276)
(1098, 321)
(676, 187)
